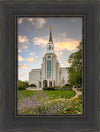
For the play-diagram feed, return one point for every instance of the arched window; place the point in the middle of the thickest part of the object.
(48, 68)
(49, 47)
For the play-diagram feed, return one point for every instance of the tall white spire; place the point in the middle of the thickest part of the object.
(50, 45)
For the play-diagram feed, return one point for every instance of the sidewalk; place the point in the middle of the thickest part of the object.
(77, 94)
(33, 88)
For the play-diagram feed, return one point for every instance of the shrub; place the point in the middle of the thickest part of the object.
(49, 88)
(21, 88)
(22, 85)
(32, 85)
(67, 87)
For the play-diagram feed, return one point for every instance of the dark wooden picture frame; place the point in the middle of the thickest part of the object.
(9, 120)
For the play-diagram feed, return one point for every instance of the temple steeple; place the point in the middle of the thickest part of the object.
(50, 45)
(50, 37)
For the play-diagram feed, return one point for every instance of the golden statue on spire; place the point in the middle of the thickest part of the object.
(50, 37)
(50, 28)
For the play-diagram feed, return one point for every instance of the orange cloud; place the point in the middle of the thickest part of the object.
(30, 59)
(20, 58)
(30, 19)
(60, 43)
(22, 43)
(19, 75)
(22, 39)
(56, 54)
(67, 44)
(20, 20)
(23, 66)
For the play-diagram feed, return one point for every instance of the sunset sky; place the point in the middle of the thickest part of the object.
(33, 36)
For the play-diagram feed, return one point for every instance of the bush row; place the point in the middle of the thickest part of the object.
(49, 88)
(21, 88)
(67, 87)
(32, 85)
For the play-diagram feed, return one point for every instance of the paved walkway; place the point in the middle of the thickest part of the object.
(77, 93)
(34, 88)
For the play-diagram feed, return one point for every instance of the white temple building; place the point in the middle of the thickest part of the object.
(50, 74)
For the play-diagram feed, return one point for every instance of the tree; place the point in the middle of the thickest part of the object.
(22, 85)
(75, 70)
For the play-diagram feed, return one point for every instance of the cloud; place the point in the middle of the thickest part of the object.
(19, 50)
(58, 54)
(67, 44)
(20, 58)
(36, 57)
(32, 54)
(60, 43)
(64, 43)
(37, 22)
(73, 20)
(22, 43)
(22, 46)
(23, 74)
(20, 20)
(22, 39)
(30, 59)
(30, 19)
(19, 75)
(23, 66)
(40, 41)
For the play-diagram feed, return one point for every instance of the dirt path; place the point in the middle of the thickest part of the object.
(77, 94)
(30, 88)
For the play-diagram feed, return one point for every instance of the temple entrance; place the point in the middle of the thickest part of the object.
(39, 84)
(50, 84)
(45, 83)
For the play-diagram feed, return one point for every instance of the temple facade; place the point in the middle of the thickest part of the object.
(50, 74)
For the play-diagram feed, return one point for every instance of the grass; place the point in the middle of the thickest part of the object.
(53, 94)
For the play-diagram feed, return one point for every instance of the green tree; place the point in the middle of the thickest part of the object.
(75, 69)
(22, 85)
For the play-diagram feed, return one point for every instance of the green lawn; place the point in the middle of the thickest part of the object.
(53, 94)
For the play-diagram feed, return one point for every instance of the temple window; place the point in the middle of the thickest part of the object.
(49, 47)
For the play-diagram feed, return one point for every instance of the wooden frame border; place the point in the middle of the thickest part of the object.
(9, 9)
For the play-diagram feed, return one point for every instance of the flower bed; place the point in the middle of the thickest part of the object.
(40, 103)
